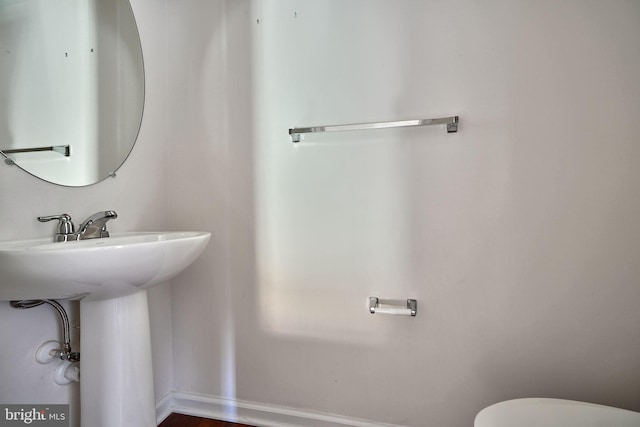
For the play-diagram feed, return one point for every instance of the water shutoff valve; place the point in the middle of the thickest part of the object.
(48, 352)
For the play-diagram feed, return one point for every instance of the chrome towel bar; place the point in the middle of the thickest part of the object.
(65, 150)
(451, 122)
(410, 310)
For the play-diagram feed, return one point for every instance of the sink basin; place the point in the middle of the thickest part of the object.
(110, 277)
(95, 269)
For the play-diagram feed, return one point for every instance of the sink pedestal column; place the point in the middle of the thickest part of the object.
(116, 386)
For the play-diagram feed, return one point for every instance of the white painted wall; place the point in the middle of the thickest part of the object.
(518, 235)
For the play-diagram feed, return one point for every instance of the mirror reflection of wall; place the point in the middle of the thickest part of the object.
(71, 74)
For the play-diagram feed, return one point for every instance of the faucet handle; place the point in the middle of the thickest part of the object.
(65, 226)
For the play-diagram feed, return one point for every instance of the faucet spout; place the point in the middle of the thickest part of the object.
(96, 225)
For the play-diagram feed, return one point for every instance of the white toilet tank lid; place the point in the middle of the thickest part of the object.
(543, 412)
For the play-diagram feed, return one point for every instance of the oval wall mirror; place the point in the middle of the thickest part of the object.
(71, 87)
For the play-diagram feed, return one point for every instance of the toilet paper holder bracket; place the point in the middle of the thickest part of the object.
(391, 307)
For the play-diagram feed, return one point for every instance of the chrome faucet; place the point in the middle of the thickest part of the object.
(93, 227)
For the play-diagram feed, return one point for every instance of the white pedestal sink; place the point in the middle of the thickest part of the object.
(110, 277)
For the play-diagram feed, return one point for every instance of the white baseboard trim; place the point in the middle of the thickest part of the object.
(257, 414)
(163, 407)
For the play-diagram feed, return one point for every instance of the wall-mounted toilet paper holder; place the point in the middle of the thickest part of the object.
(390, 307)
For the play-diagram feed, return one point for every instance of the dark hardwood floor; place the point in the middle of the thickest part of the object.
(179, 420)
